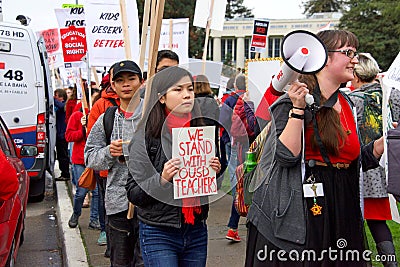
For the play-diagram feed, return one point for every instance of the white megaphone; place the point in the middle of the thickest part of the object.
(303, 53)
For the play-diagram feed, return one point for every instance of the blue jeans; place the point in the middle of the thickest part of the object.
(81, 193)
(173, 247)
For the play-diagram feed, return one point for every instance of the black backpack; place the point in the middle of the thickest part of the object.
(108, 122)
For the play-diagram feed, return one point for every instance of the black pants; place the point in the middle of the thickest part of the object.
(63, 157)
(124, 240)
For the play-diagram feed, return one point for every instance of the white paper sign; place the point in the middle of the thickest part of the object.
(213, 70)
(202, 13)
(67, 17)
(104, 31)
(194, 146)
(259, 74)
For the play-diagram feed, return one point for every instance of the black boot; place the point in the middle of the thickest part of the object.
(386, 249)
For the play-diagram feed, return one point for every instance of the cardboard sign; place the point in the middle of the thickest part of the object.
(259, 76)
(203, 11)
(105, 37)
(73, 42)
(51, 39)
(194, 146)
(259, 38)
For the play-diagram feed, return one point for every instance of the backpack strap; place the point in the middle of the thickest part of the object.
(108, 122)
(112, 100)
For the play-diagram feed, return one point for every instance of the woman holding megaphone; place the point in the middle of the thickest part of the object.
(308, 211)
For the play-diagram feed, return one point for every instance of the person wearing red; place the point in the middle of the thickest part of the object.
(172, 232)
(8, 181)
(76, 133)
(70, 104)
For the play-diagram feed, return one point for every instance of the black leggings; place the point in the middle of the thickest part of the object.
(379, 230)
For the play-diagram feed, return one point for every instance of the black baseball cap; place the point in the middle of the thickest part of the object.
(126, 66)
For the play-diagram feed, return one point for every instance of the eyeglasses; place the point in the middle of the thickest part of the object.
(350, 53)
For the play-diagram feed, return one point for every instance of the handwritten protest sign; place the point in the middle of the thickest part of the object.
(105, 31)
(194, 146)
(51, 40)
(67, 17)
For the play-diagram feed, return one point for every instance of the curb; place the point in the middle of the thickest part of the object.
(73, 250)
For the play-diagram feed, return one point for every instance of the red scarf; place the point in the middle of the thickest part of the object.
(190, 205)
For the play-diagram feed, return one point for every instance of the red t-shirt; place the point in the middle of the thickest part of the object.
(348, 151)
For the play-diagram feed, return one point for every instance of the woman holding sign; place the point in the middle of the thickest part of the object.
(171, 192)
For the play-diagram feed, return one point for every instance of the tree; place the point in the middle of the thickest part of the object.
(317, 6)
(236, 9)
(377, 26)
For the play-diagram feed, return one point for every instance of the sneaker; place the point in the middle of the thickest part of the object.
(233, 235)
(102, 241)
(94, 225)
(61, 178)
(73, 221)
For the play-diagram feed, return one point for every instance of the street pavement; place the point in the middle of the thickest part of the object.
(80, 248)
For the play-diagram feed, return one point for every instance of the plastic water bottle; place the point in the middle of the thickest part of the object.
(251, 161)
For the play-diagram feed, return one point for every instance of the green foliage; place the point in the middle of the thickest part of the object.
(235, 9)
(317, 6)
(377, 25)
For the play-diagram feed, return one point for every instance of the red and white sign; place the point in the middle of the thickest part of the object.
(73, 42)
(194, 146)
(259, 38)
(51, 40)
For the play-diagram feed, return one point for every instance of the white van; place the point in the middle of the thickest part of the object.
(26, 99)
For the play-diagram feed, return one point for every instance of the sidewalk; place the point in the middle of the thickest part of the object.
(221, 252)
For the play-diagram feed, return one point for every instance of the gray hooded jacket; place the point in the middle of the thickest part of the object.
(98, 157)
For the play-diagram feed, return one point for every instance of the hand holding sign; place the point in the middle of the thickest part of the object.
(215, 164)
(171, 167)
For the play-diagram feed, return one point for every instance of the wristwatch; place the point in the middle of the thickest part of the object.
(295, 115)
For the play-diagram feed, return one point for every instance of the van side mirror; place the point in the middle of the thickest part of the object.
(28, 151)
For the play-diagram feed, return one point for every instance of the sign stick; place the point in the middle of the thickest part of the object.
(96, 78)
(155, 29)
(257, 55)
(83, 100)
(127, 41)
(171, 34)
(145, 27)
(207, 36)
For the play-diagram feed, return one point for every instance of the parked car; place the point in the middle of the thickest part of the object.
(13, 210)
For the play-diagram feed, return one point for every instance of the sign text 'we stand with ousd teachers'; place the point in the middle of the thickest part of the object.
(194, 146)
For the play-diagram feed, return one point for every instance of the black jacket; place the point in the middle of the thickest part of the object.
(155, 202)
